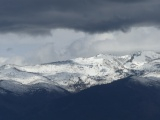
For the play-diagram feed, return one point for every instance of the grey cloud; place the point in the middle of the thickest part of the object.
(40, 16)
(9, 49)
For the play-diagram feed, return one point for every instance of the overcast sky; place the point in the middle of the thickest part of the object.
(41, 31)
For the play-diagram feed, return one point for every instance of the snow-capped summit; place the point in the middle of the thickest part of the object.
(80, 73)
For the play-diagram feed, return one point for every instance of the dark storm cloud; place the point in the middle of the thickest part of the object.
(39, 16)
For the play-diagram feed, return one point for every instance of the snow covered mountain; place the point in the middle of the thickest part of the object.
(80, 73)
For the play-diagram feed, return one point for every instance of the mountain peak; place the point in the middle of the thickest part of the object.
(81, 73)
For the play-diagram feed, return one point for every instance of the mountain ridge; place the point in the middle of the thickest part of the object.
(81, 73)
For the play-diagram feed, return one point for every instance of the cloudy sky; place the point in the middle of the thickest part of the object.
(41, 31)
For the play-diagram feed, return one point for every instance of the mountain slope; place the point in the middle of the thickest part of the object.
(125, 99)
(80, 73)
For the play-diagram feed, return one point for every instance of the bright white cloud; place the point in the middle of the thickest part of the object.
(137, 39)
(64, 44)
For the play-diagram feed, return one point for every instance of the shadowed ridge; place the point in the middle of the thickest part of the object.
(126, 99)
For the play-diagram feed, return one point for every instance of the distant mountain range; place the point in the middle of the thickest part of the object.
(103, 87)
(80, 73)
